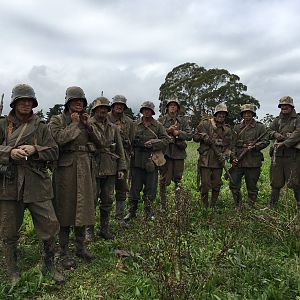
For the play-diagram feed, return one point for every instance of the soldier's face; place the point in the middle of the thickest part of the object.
(24, 106)
(76, 105)
(118, 108)
(172, 107)
(220, 117)
(286, 109)
(101, 112)
(247, 115)
(147, 112)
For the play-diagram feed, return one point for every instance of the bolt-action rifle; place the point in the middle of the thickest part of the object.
(1, 104)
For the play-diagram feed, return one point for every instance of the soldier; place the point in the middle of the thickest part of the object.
(149, 136)
(285, 153)
(179, 131)
(74, 181)
(26, 147)
(126, 127)
(111, 163)
(215, 142)
(249, 138)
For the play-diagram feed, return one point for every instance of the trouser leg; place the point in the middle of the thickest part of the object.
(81, 249)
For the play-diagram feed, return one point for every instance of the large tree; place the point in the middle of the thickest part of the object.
(200, 90)
(55, 110)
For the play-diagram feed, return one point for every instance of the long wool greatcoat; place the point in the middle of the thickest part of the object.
(74, 181)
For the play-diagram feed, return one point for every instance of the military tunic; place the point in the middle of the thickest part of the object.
(176, 150)
(31, 186)
(209, 165)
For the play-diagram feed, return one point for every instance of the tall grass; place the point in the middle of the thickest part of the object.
(189, 253)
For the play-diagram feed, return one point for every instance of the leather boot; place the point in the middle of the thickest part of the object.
(48, 262)
(104, 226)
(297, 197)
(251, 201)
(133, 205)
(67, 261)
(214, 198)
(162, 193)
(274, 198)
(204, 199)
(89, 233)
(237, 197)
(120, 209)
(10, 254)
(81, 249)
(147, 208)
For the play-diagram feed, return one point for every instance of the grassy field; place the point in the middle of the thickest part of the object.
(191, 253)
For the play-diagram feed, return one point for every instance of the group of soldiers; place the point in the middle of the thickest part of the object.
(92, 158)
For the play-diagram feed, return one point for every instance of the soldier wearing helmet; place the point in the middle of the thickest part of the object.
(26, 145)
(73, 180)
(150, 138)
(110, 161)
(285, 161)
(215, 141)
(179, 131)
(126, 127)
(249, 138)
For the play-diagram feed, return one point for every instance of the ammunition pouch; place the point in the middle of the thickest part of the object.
(149, 165)
(8, 171)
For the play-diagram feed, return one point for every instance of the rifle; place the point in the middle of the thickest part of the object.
(218, 154)
(246, 150)
(1, 104)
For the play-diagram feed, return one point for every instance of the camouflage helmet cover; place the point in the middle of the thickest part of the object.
(23, 91)
(101, 101)
(148, 104)
(173, 100)
(286, 100)
(75, 92)
(221, 108)
(248, 107)
(119, 99)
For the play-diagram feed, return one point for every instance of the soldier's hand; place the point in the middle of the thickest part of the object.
(148, 144)
(75, 117)
(235, 162)
(120, 175)
(279, 145)
(17, 154)
(278, 136)
(207, 140)
(176, 132)
(85, 119)
(29, 149)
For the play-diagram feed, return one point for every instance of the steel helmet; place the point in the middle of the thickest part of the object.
(101, 101)
(75, 92)
(119, 99)
(23, 91)
(148, 104)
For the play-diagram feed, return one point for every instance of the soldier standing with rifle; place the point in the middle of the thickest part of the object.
(179, 131)
(111, 164)
(126, 127)
(215, 142)
(249, 138)
(285, 131)
(26, 146)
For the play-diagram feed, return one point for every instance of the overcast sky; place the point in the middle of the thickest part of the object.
(128, 47)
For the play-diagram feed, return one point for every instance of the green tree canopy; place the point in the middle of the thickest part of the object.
(200, 90)
(55, 110)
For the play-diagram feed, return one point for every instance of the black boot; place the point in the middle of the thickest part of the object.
(89, 233)
(214, 198)
(48, 262)
(297, 198)
(237, 197)
(67, 261)
(120, 209)
(104, 226)
(10, 254)
(133, 205)
(204, 199)
(148, 214)
(251, 201)
(163, 196)
(81, 249)
(274, 198)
